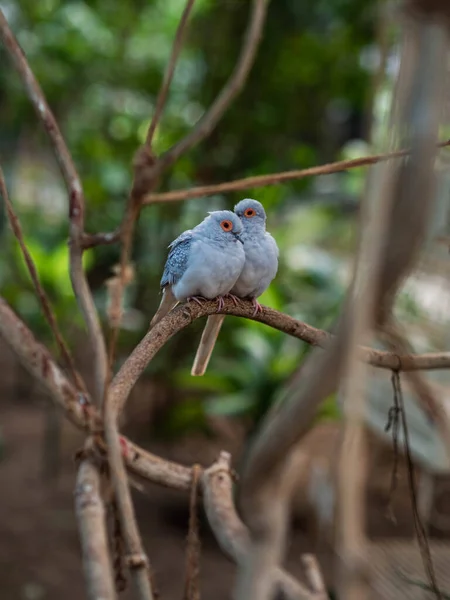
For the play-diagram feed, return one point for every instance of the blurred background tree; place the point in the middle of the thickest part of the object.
(306, 102)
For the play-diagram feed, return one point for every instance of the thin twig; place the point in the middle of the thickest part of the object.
(162, 94)
(76, 201)
(40, 292)
(275, 178)
(90, 240)
(37, 97)
(421, 533)
(420, 584)
(393, 423)
(94, 542)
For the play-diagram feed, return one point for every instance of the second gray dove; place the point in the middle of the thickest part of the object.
(204, 262)
(260, 268)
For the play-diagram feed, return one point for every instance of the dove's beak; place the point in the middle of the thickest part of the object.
(238, 237)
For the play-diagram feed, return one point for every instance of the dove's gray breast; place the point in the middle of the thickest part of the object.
(200, 266)
(261, 265)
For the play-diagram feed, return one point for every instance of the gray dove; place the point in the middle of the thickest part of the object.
(261, 265)
(203, 263)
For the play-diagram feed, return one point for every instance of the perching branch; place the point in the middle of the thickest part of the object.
(76, 200)
(275, 178)
(40, 292)
(90, 512)
(184, 315)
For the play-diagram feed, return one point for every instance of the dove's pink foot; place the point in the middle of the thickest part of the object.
(258, 307)
(220, 303)
(198, 299)
(233, 297)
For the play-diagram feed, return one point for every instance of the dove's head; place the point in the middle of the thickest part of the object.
(252, 214)
(222, 225)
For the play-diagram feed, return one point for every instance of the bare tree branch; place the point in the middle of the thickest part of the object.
(76, 200)
(40, 292)
(162, 95)
(275, 178)
(90, 512)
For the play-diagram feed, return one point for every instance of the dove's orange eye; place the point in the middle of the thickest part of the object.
(226, 225)
(250, 212)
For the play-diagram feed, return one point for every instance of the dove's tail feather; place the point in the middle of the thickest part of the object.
(207, 343)
(167, 303)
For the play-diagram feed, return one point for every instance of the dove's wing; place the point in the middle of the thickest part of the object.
(177, 260)
(174, 269)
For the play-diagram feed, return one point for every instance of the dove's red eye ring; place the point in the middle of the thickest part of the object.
(250, 212)
(226, 225)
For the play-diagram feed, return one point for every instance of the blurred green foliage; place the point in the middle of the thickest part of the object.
(100, 65)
